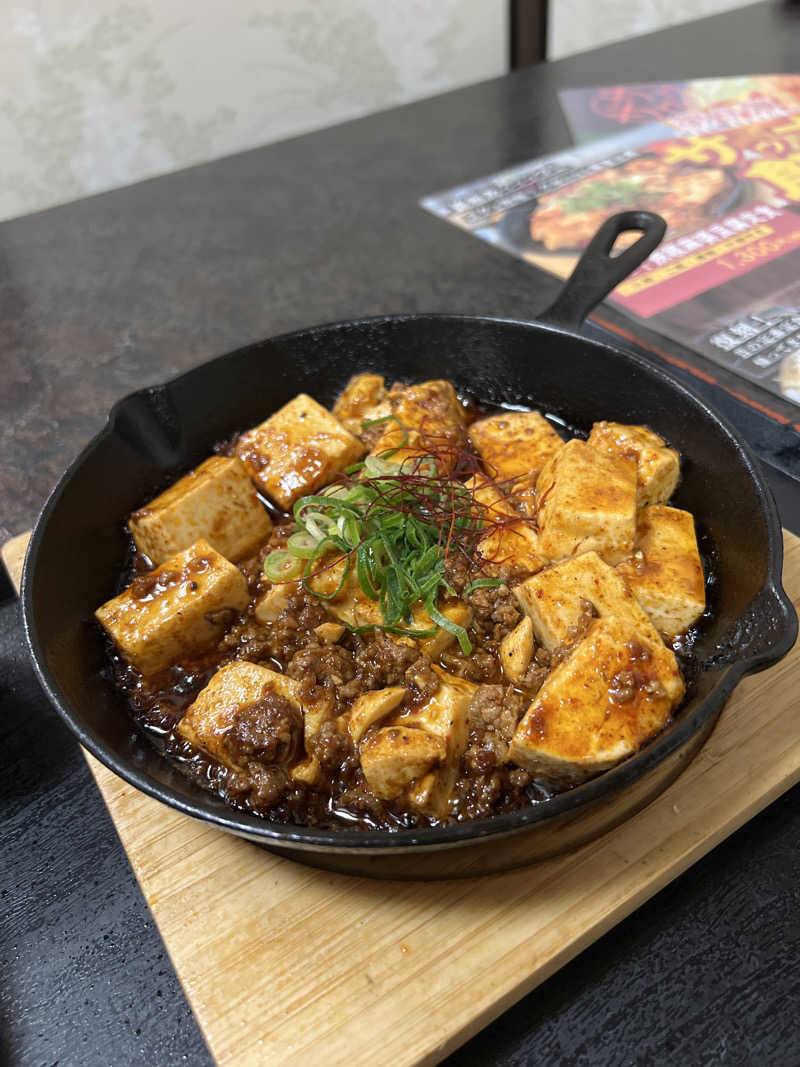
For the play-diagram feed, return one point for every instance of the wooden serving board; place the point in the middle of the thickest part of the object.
(284, 964)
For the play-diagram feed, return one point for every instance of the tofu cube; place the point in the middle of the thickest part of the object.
(216, 502)
(371, 707)
(657, 466)
(360, 401)
(608, 698)
(325, 579)
(354, 608)
(350, 605)
(487, 494)
(586, 501)
(458, 612)
(394, 756)
(329, 632)
(516, 650)
(431, 419)
(275, 601)
(233, 689)
(665, 572)
(446, 716)
(513, 545)
(297, 450)
(557, 597)
(514, 444)
(178, 609)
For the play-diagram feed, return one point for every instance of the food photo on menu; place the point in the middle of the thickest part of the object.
(719, 160)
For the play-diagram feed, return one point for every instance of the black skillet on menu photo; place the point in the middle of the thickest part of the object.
(152, 437)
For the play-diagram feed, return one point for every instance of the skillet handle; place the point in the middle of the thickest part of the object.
(597, 272)
(762, 636)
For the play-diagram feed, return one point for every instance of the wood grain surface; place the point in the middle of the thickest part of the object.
(284, 964)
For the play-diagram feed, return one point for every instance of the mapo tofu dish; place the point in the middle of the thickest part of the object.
(406, 611)
(682, 195)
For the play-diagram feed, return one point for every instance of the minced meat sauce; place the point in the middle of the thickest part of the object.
(266, 738)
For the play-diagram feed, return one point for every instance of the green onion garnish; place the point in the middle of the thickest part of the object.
(395, 523)
(482, 583)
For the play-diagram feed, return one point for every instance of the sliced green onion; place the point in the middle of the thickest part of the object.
(303, 545)
(282, 566)
(452, 627)
(308, 574)
(482, 583)
(379, 467)
(393, 525)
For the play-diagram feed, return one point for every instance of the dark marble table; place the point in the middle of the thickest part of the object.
(125, 289)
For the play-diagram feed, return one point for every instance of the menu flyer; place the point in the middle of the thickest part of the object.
(722, 170)
(608, 109)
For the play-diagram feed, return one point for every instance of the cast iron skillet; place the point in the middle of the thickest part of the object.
(155, 435)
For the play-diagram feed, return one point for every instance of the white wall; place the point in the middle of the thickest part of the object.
(576, 25)
(98, 93)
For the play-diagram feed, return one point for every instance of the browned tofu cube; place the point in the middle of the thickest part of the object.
(557, 598)
(446, 716)
(275, 601)
(457, 611)
(394, 756)
(608, 698)
(297, 450)
(350, 604)
(180, 608)
(245, 702)
(354, 608)
(360, 401)
(502, 501)
(513, 545)
(665, 572)
(487, 494)
(216, 503)
(432, 421)
(371, 707)
(506, 544)
(516, 650)
(587, 501)
(514, 444)
(658, 466)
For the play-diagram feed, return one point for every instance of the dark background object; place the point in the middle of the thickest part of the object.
(527, 24)
(126, 289)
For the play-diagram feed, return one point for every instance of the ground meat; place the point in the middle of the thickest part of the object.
(293, 629)
(479, 666)
(260, 788)
(493, 716)
(494, 614)
(534, 677)
(626, 684)
(458, 571)
(322, 665)
(420, 676)
(381, 662)
(486, 783)
(247, 639)
(265, 733)
(332, 746)
(337, 756)
(478, 795)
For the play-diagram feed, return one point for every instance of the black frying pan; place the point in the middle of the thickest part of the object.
(155, 435)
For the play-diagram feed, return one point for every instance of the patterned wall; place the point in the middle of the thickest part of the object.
(576, 25)
(98, 93)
